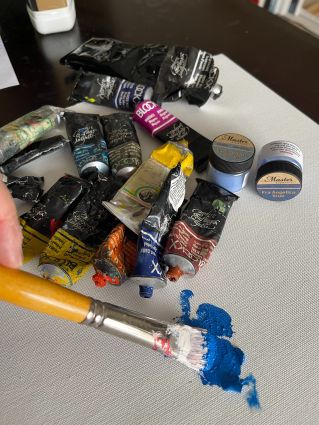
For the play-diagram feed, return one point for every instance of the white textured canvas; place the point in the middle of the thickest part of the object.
(264, 272)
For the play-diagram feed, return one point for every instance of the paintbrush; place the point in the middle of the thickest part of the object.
(183, 343)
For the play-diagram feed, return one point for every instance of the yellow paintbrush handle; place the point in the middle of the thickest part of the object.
(34, 293)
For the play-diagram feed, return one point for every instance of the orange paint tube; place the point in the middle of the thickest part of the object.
(115, 258)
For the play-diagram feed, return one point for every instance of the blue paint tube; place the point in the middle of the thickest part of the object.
(149, 273)
(87, 142)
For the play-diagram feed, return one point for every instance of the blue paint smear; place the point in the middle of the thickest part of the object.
(223, 360)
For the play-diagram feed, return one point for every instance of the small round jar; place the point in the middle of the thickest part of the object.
(230, 159)
(279, 175)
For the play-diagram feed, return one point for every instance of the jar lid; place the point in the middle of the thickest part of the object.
(278, 180)
(232, 153)
(279, 167)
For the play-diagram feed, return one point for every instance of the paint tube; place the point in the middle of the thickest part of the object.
(132, 203)
(27, 188)
(48, 214)
(173, 72)
(197, 232)
(115, 259)
(87, 143)
(164, 126)
(187, 72)
(109, 91)
(69, 253)
(139, 64)
(148, 272)
(18, 134)
(122, 143)
(35, 151)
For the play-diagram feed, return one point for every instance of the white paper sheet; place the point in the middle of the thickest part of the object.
(264, 272)
(8, 77)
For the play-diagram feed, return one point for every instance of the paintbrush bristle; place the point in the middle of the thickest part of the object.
(188, 345)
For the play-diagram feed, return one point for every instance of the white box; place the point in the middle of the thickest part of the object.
(53, 20)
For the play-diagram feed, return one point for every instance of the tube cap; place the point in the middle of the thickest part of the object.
(146, 291)
(232, 153)
(174, 273)
(101, 280)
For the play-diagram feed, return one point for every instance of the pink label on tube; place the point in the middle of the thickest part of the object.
(152, 117)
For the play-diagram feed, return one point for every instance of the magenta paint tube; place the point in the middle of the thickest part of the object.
(195, 235)
(166, 127)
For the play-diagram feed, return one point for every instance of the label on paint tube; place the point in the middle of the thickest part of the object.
(65, 259)
(33, 241)
(90, 153)
(22, 132)
(49, 213)
(164, 126)
(87, 142)
(109, 259)
(153, 118)
(133, 201)
(177, 191)
(183, 241)
(109, 91)
(125, 156)
(188, 72)
(123, 144)
(197, 232)
(148, 270)
(69, 252)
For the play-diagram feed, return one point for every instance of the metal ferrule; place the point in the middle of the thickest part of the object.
(128, 324)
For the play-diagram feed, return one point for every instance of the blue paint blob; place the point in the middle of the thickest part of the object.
(216, 320)
(223, 360)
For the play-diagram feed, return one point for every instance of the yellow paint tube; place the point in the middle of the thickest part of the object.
(69, 253)
(133, 201)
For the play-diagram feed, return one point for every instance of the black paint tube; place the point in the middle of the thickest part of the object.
(195, 235)
(69, 253)
(173, 72)
(149, 273)
(33, 152)
(109, 91)
(139, 64)
(187, 72)
(122, 143)
(90, 222)
(27, 188)
(49, 213)
(87, 142)
(166, 127)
